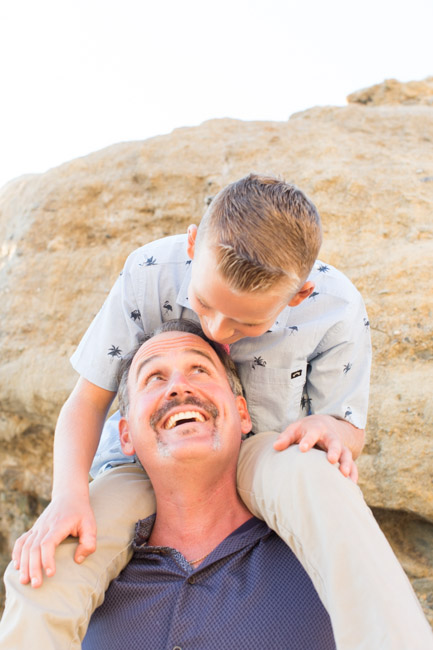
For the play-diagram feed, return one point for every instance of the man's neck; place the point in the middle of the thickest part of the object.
(196, 517)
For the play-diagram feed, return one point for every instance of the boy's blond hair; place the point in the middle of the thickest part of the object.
(264, 232)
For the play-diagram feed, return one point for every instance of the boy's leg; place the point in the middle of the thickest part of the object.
(55, 616)
(324, 519)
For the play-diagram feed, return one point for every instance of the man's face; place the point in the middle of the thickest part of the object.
(180, 402)
(227, 316)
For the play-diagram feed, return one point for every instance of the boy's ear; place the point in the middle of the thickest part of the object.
(125, 438)
(305, 291)
(246, 424)
(192, 234)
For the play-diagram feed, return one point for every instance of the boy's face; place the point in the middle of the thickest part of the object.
(227, 316)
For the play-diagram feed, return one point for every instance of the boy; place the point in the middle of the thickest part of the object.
(298, 333)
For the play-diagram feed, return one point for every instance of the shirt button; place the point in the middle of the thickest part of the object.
(177, 647)
(191, 580)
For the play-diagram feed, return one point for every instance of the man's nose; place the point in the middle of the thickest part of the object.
(178, 385)
(219, 329)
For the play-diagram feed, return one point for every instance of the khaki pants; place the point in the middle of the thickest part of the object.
(307, 501)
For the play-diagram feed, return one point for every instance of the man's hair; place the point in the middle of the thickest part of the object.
(264, 231)
(175, 325)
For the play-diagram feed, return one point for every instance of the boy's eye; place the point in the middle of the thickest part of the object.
(201, 303)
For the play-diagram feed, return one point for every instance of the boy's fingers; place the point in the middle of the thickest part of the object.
(335, 452)
(309, 440)
(48, 549)
(281, 443)
(87, 540)
(48, 545)
(286, 438)
(24, 562)
(35, 566)
(346, 462)
(86, 547)
(18, 547)
(354, 473)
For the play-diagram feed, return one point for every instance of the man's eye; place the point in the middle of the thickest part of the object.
(154, 378)
(200, 369)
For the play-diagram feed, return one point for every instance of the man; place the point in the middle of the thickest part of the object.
(204, 570)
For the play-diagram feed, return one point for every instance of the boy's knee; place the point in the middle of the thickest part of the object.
(304, 464)
(262, 468)
(259, 455)
(122, 494)
(11, 579)
(294, 469)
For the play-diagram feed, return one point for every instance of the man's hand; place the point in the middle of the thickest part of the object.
(34, 551)
(341, 440)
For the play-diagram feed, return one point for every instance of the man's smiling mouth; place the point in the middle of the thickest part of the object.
(198, 411)
(183, 417)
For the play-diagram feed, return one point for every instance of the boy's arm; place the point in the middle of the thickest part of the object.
(342, 441)
(337, 388)
(69, 513)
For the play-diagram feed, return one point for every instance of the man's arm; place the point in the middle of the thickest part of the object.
(76, 439)
(341, 440)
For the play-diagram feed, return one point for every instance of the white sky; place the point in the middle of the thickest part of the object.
(79, 75)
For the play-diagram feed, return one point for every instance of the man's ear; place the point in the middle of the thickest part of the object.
(246, 424)
(305, 291)
(125, 438)
(192, 234)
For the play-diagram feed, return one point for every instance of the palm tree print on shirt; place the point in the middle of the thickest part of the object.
(115, 351)
(258, 361)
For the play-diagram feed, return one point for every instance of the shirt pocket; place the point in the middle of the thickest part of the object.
(273, 394)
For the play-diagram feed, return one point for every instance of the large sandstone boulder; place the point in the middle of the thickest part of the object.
(65, 234)
(392, 91)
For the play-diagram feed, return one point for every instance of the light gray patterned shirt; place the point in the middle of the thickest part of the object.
(314, 359)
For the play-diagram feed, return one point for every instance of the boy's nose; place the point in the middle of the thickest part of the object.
(219, 329)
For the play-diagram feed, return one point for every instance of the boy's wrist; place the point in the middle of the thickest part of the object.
(66, 490)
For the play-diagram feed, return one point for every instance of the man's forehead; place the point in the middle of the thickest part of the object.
(167, 343)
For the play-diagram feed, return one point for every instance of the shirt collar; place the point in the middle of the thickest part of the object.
(281, 321)
(143, 528)
(248, 533)
(182, 296)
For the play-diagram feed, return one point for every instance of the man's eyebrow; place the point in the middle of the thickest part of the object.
(203, 354)
(155, 357)
(144, 362)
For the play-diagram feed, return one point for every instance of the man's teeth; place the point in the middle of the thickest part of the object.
(195, 416)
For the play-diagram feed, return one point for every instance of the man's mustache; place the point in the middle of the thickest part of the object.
(157, 416)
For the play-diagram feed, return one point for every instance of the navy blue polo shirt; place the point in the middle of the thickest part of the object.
(251, 592)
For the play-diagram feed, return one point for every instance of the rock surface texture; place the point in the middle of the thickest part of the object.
(65, 234)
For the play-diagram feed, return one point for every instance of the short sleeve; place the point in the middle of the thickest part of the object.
(339, 369)
(115, 330)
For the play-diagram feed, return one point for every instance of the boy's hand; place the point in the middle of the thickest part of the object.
(341, 440)
(34, 551)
